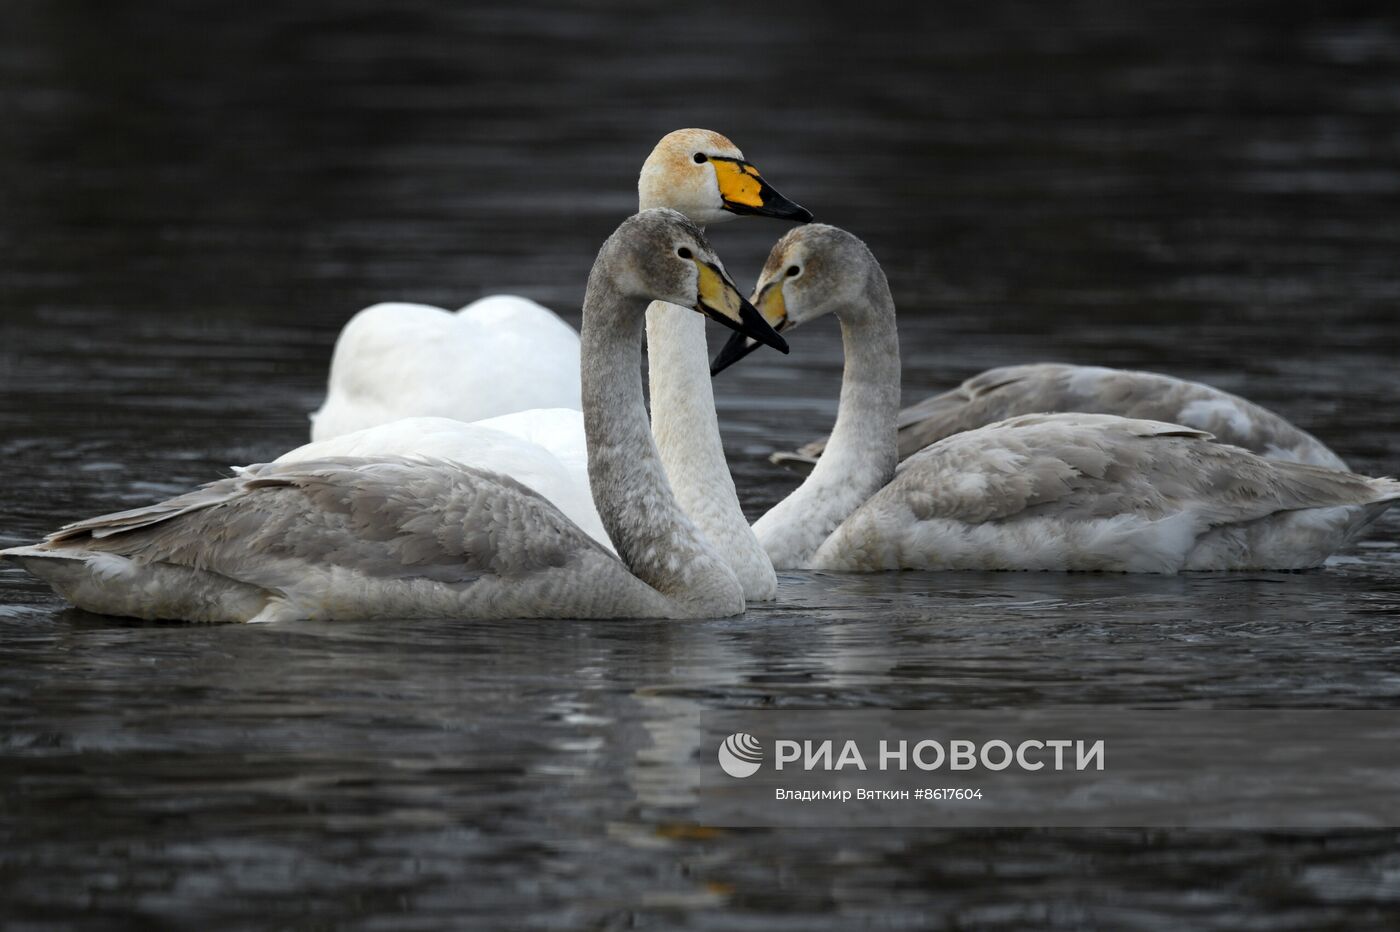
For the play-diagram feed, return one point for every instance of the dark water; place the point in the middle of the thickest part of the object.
(193, 199)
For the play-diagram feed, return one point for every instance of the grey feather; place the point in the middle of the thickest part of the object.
(1012, 482)
(391, 517)
(1010, 391)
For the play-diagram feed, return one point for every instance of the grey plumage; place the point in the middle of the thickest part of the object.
(389, 517)
(290, 532)
(1120, 494)
(1061, 491)
(1010, 391)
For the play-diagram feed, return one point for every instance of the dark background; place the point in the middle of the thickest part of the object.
(194, 197)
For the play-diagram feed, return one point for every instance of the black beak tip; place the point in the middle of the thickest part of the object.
(736, 348)
(774, 205)
(753, 325)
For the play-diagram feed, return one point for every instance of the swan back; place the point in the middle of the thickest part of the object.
(1008, 391)
(387, 538)
(542, 449)
(1101, 492)
(495, 356)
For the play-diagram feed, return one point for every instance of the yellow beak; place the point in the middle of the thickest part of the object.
(718, 299)
(743, 191)
(771, 304)
(772, 308)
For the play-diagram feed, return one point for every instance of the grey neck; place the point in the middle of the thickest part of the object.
(861, 456)
(633, 497)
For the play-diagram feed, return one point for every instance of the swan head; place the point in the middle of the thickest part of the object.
(811, 272)
(704, 176)
(660, 255)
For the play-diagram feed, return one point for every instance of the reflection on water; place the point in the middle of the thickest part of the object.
(194, 203)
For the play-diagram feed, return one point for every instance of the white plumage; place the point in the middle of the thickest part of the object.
(495, 356)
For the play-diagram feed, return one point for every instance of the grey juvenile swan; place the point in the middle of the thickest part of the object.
(401, 537)
(1065, 491)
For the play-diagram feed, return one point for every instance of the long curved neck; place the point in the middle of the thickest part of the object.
(686, 427)
(861, 456)
(651, 533)
(687, 436)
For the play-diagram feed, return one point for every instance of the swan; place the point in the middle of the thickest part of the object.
(1061, 491)
(497, 355)
(698, 172)
(412, 537)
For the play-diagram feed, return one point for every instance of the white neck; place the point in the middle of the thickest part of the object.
(652, 535)
(861, 456)
(687, 435)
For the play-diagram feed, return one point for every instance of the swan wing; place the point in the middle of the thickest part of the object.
(346, 538)
(544, 450)
(1089, 491)
(1009, 391)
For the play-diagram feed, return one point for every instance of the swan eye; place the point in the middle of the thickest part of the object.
(700, 157)
(685, 253)
(792, 270)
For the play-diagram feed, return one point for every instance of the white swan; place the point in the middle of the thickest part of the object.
(495, 356)
(396, 537)
(1036, 492)
(697, 172)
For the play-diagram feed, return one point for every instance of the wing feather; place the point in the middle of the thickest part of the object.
(388, 517)
(1082, 466)
(1010, 391)
(1088, 491)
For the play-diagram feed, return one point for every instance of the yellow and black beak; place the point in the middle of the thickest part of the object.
(743, 191)
(719, 300)
(773, 309)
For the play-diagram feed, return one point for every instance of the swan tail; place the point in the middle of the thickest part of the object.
(798, 461)
(1387, 489)
(111, 584)
(121, 522)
